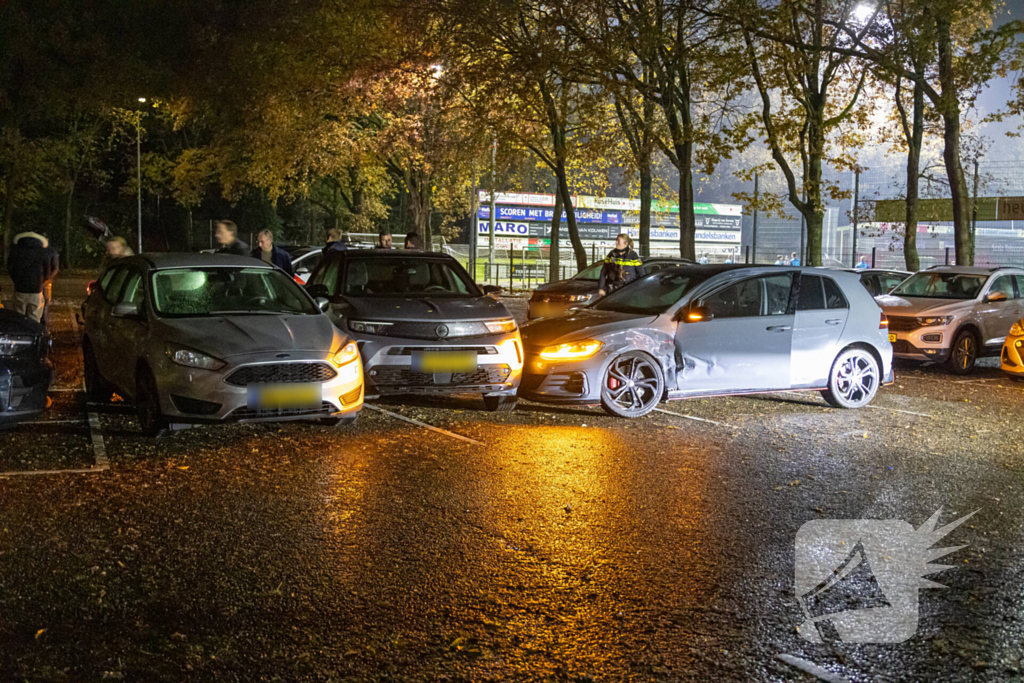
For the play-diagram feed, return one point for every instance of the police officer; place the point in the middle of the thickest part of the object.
(621, 265)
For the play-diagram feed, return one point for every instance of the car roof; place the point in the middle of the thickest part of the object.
(671, 259)
(190, 260)
(971, 270)
(388, 254)
(874, 270)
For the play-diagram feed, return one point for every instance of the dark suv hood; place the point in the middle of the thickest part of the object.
(582, 324)
(569, 287)
(233, 335)
(15, 323)
(387, 309)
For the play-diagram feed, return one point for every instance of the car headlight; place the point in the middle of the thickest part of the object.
(11, 345)
(937, 321)
(1016, 330)
(368, 327)
(497, 326)
(576, 298)
(572, 350)
(348, 353)
(190, 358)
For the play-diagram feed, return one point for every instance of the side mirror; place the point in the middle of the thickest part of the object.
(125, 310)
(322, 303)
(302, 270)
(995, 296)
(318, 291)
(694, 314)
(492, 290)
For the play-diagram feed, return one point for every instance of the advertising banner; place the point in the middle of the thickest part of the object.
(526, 213)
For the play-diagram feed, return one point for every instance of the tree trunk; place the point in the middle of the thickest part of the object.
(570, 217)
(910, 256)
(68, 263)
(9, 211)
(554, 251)
(813, 209)
(646, 182)
(950, 110)
(687, 218)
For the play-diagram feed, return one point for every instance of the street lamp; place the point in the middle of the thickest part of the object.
(138, 167)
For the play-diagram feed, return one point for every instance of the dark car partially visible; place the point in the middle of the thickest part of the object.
(25, 369)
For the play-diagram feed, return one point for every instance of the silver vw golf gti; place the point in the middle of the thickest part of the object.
(213, 337)
(712, 330)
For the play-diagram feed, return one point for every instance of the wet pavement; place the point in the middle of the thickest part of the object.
(553, 544)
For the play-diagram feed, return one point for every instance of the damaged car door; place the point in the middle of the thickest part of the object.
(821, 314)
(737, 338)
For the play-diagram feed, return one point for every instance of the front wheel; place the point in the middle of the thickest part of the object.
(500, 404)
(147, 403)
(632, 386)
(964, 353)
(854, 379)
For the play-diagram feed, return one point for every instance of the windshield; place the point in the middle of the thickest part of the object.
(409, 277)
(194, 292)
(651, 295)
(941, 286)
(591, 272)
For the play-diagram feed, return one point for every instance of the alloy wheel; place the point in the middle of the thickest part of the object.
(633, 386)
(965, 352)
(857, 378)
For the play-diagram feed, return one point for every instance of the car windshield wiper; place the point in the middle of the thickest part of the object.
(248, 311)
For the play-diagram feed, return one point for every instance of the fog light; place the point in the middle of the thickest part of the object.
(373, 373)
(931, 337)
(1020, 343)
(505, 371)
(932, 351)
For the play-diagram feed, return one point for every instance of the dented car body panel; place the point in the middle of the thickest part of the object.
(760, 334)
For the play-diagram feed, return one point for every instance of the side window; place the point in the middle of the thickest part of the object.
(750, 298)
(310, 262)
(328, 276)
(1020, 285)
(888, 282)
(132, 292)
(778, 289)
(834, 297)
(112, 292)
(1003, 284)
(107, 276)
(812, 296)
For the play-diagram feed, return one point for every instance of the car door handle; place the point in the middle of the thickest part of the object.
(834, 321)
(779, 328)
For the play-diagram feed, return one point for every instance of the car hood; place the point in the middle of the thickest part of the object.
(387, 309)
(584, 323)
(232, 335)
(569, 287)
(15, 323)
(913, 305)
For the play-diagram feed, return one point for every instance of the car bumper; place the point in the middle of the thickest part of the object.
(23, 391)
(923, 344)
(387, 366)
(565, 383)
(1011, 358)
(199, 396)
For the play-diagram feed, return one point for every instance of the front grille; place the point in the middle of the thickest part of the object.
(899, 323)
(281, 373)
(409, 350)
(250, 414)
(385, 376)
(194, 406)
(352, 396)
(903, 346)
(559, 383)
(435, 330)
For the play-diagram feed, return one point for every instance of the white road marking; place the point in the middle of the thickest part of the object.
(813, 669)
(29, 473)
(99, 447)
(52, 422)
(423, 424)
(694, 417)
(897, 410)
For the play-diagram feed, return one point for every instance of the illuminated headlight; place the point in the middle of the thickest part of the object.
(498, 326)
(936, 321)
(190, 358)
(346, 355)
(1016, 330)
(572, 351)
(11, 345)
(368, 328)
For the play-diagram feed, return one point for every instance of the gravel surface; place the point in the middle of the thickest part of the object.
(569, 545)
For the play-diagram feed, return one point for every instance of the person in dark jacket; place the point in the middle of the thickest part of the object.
(337, 240)
(227, 237)
(269, 253)
(412, 240)
(621, 265)
(29, 265)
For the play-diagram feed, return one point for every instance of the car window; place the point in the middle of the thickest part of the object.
(768, 295)
(112, 292)
(1003, 284)
(327, 276)
(1020, 285)
(941, 286)
(834, 297)
(406, 277)
(194, 292)
(591, 272)
(107, 276)
(309, 262)
(888, 282)
(650, 295)
(812, 295)
(870, 284)
(133, 291)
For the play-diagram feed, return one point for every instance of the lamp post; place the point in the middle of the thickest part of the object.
(138, 167)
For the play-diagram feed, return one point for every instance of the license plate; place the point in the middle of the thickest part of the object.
(284, 396)
(892, 337)
(443, 361)
(545, 309)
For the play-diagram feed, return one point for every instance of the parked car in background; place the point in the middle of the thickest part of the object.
(213, 337)
(422, 324)
(1012, 357)
(954, 314)
(25, 368)
(304, 261)
(879, 281)
(712, 330)
(555, 298)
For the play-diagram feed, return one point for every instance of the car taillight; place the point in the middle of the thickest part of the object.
(89, 287)
(883, 322)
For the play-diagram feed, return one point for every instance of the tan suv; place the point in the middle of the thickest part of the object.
(953, 314)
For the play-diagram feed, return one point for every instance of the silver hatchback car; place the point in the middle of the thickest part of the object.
(212, 337)
(712, 330)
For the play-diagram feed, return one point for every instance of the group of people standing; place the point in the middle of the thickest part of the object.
(791, 260)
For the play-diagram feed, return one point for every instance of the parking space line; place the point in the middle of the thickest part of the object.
(897, 410)
(424, 425)
(694, 417)
(52, 422)
(99, 447)
(29, 473)
(813, 669)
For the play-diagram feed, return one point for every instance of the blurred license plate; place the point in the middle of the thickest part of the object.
(444, 361)
(546, 309)
(892, 337)
(284, 396)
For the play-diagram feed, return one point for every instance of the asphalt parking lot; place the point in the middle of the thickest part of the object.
(436, 541)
